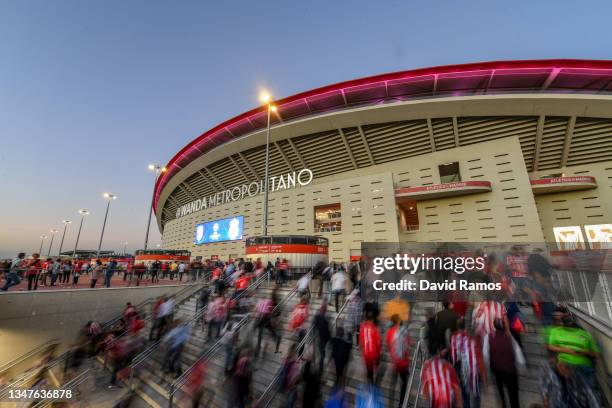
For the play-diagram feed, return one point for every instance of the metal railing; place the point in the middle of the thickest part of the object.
(144, 355)
(305, 342)
(179, 297)
(60, 361)
(71, 385)
(42, 274)
(13, 370)
(211, 351)
(36, 351)
(413, 367)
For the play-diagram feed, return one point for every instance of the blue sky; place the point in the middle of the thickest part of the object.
(93, 91)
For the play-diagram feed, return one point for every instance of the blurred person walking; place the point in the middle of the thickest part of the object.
(338, 281)
(266, 316)
(439, 383)
(354, 312)
(321, 324)
(33, 270)
(298, 318)
(341, 354)
(503, 355)
(12, 276)
(398, 343)
(109, 272)
(216, 315)
(56, 270)
(76, 273)
(175, 340)
(95, 273)
(242, 374)
(371, 345)
(66, 269)
(290, 376)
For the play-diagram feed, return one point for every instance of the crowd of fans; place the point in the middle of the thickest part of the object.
(65, 272)
(469, 342)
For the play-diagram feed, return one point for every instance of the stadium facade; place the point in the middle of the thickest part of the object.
(512, 151)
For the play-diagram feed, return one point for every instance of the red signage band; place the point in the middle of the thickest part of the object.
(560, 180)
(162, 258)
(443, 186)
(286, 249)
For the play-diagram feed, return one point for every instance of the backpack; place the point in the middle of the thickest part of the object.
(298, 317)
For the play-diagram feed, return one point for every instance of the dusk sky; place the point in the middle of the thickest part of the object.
(91, 92)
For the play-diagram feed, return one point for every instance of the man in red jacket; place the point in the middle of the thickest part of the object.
(370, 344)
(398, 344)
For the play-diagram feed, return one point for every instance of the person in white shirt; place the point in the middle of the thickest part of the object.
(181, 270)
(165, 314)
(338, 280)
(303, 285)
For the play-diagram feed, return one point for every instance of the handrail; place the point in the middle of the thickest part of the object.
(70, 385)
(36, 350)
(211, 351)
(413, 366)
(64, 356)
(139, 359)
(150, 316)
(308, 337)
(340, 312)
(306, 340)
(418, 355)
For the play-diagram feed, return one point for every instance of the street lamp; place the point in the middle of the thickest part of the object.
(76, 243)
(109, 197)
(267, 100)
(158, 170)
(53, 231)
(42, 239)
(66, 222)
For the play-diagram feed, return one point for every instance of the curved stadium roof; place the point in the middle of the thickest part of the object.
(486, 78)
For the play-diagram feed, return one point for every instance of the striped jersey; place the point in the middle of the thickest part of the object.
(439, 382)
(517, 265)
(485, 314)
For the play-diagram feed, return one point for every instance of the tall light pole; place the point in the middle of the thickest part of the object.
(124, 247)
(158, 170)
(66, 222)
(109, 197)
(53, 231)
(267, 100)
(42, 239)
(76, 243)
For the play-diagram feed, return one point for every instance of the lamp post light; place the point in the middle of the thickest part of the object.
(158, 170)
(66, 222)
(42, 239)
(267, 100)
(109, 197)
(76, 243)
(53, 231)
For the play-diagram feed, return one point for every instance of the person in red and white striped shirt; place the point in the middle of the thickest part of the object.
(456, 342)
(485, 314)
(439, 383)
(467, 359)
(516, 268)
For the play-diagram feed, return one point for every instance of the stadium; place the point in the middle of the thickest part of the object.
(507, 151)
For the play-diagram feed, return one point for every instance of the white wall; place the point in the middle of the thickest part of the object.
(28, 319)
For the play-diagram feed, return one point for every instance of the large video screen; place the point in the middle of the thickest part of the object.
(226, 229)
